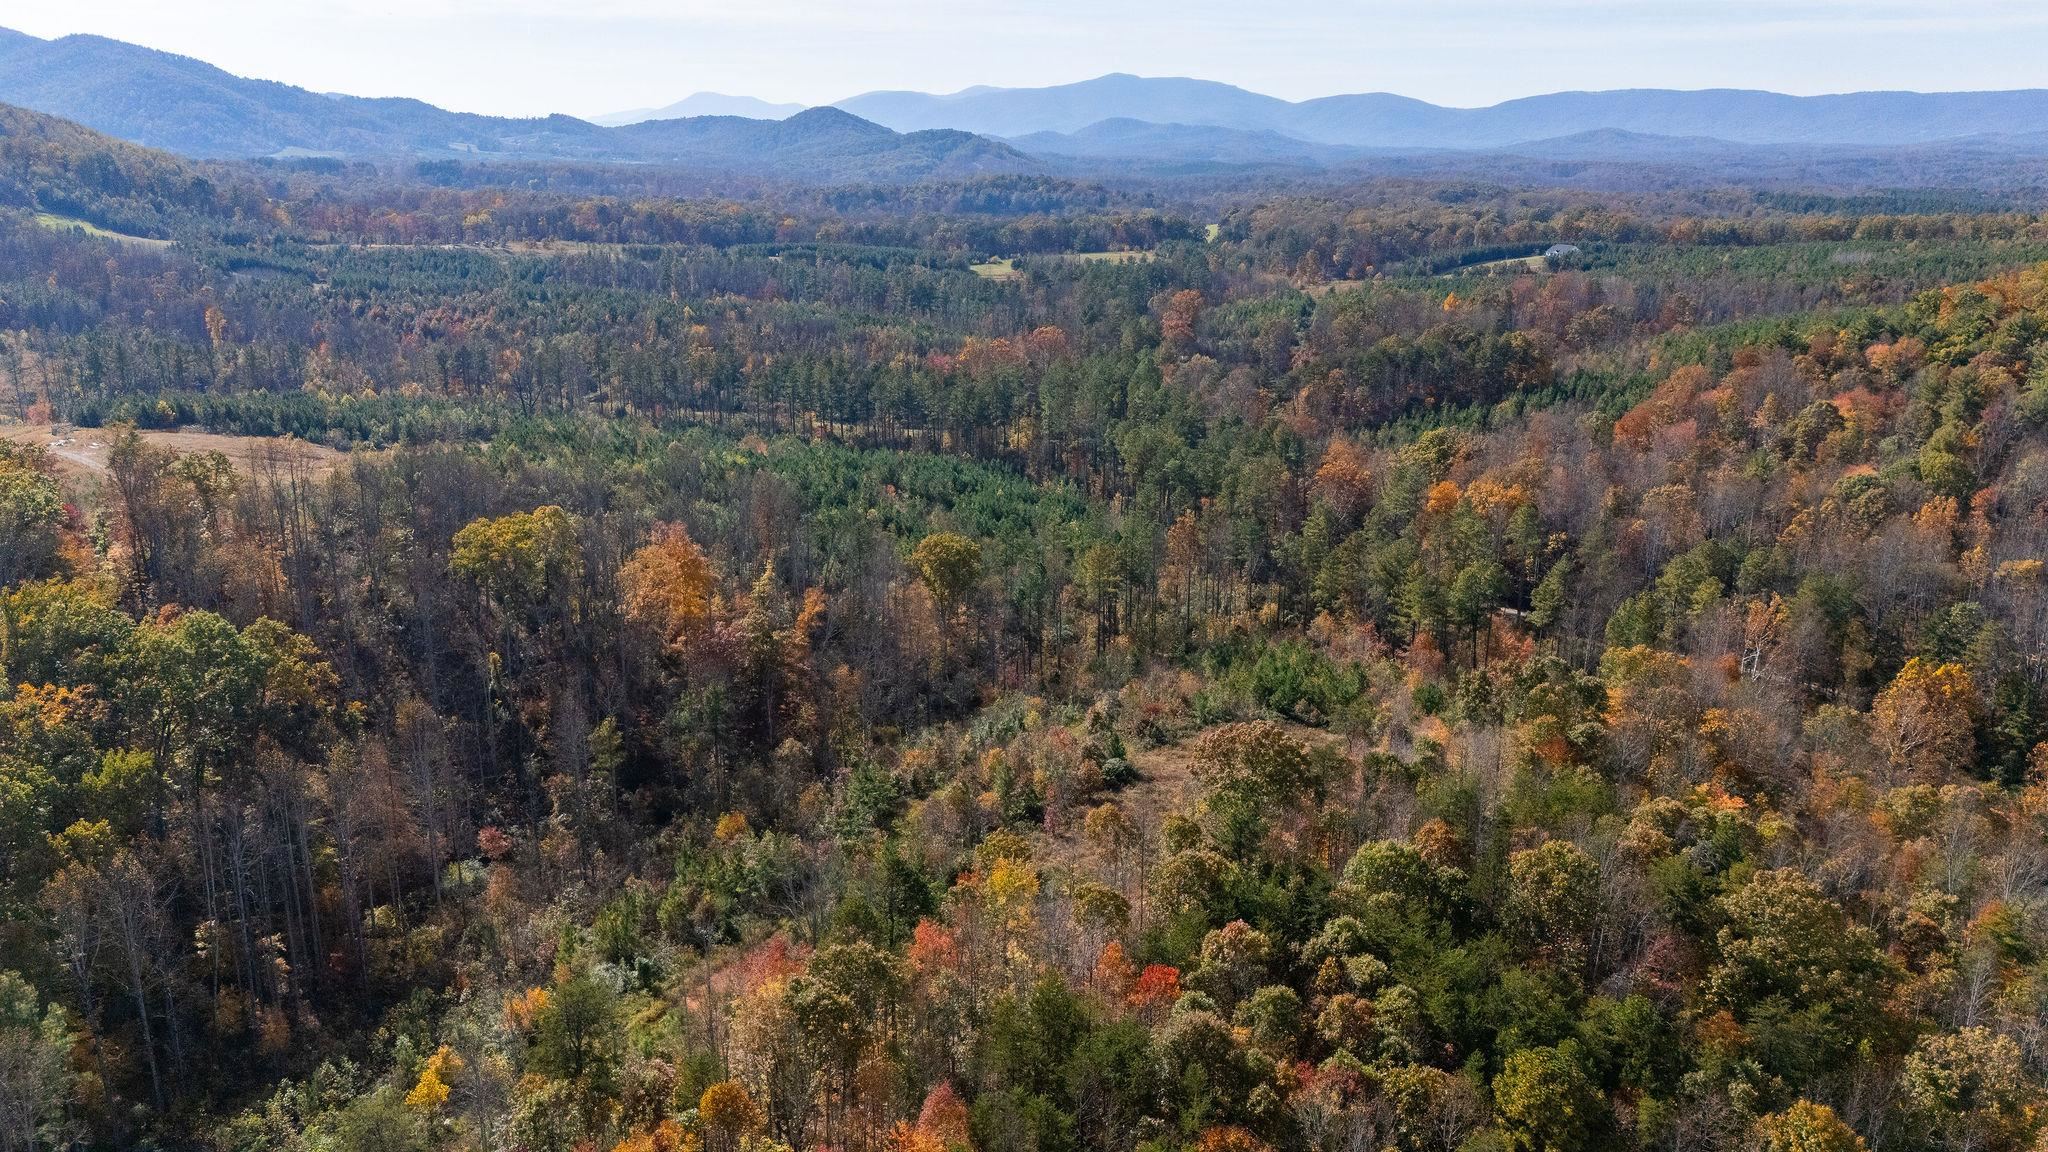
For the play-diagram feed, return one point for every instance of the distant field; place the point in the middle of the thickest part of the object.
(1528, 263)
(1005, 269)
(997, 270)
(83, 451)
(58, 223)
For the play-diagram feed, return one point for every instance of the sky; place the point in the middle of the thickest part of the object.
(587, 57)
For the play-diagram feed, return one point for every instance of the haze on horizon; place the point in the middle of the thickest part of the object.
(530, 57)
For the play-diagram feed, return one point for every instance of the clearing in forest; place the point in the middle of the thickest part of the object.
(83, 451)
(1166, 784)
(1009, 269)
(58, 223)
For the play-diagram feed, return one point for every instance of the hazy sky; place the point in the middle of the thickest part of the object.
(524, 57)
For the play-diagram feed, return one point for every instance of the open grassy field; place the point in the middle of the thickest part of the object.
(1008, 269)
(1512, 264)
(997, 270)
(58, 223)
(83, 451)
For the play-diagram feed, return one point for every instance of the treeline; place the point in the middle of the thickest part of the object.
(1333, 238)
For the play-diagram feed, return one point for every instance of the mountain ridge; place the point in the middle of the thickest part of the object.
(196, 109)
(187, 106)
(1384, 119)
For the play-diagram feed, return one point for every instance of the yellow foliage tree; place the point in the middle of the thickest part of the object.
(949, 564)
(729, 1114)
(1013, 889)
(905, 1138)
(1806, 1127)
(1924, 719)
(431, 1092)
(519, 559)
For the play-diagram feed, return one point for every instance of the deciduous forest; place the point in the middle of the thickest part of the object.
(495, 660)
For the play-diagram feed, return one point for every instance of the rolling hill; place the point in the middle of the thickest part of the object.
(63, 172)
(1124, 138)
(821, 143)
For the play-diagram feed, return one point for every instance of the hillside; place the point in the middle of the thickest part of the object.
(754, 683)
(818, 143)
(53, 166)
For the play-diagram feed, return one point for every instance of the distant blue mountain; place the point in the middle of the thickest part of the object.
(1381, 120)
(191, 107)
(1071, 107)
(703, 104)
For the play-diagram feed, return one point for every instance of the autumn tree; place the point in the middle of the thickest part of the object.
(1344, 480)
(1924, 720)
(1971, 1087)
(1807, 1127)
(1235, 960)
(772, 1055)
(667, 583)
(524, 562)
(430, 1092)
(943, 1119)
(950, 566)
(728, 1114)
(1177, 321)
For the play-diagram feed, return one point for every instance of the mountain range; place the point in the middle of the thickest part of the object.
(190, 107)
(1383, 120)
(1112, 124)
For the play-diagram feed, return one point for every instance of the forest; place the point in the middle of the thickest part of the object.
(1015, 664)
